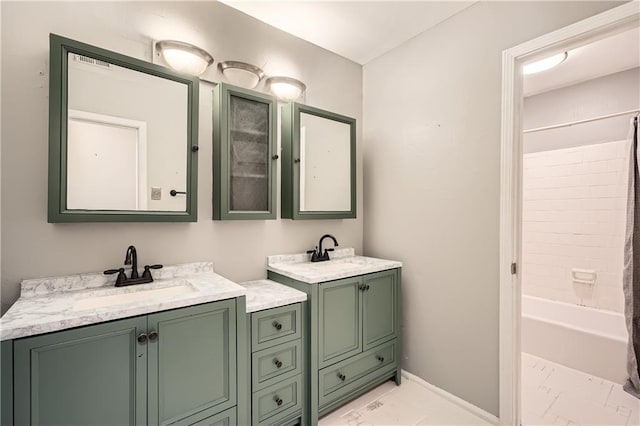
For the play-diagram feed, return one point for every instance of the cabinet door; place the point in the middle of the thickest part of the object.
(244, 145)
(192, 362)
(380, 300)
(339, 326)
(93, 375)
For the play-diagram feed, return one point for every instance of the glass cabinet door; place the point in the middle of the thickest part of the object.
(244, 154)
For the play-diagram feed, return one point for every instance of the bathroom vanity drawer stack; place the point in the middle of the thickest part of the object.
(276, 366)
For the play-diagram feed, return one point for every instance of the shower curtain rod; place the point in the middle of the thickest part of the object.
(586, 120)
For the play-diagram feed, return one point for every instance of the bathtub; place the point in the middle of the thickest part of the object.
(586, 339)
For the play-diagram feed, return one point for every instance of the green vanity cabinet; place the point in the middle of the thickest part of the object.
(340, 320)
(354, 334)
(175, 367)
(355, 314)
(244, 154)
(192, 363)
(82, 376)
(277, 366)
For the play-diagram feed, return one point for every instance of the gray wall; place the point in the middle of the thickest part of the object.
(432, 168)
(594, 98)
(33, 248)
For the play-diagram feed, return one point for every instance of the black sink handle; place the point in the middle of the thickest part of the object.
(121, 278)
(146, 274)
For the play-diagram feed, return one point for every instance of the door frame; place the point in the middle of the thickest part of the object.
(141, 145)
(588, 30)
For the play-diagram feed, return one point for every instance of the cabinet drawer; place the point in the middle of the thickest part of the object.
(226, 418)
(275, 326)
(277, 363)
(334, 381)
(278, 401)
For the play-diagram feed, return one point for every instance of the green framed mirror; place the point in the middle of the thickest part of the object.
(318, 164)
(123, 138)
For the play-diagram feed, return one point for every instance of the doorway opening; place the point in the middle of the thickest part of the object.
(564, 153)
(576, 120)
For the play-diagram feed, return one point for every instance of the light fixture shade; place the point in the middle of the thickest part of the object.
(241, 74)
(544, 64)
(184, 57)
(286, 88)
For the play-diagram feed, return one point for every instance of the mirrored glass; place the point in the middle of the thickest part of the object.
(325, 164)
(126, 138)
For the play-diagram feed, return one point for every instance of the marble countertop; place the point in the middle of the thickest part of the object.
(267, 294)
(344, 263)
(59, 303)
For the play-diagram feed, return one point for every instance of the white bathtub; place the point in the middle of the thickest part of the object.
(586, 339)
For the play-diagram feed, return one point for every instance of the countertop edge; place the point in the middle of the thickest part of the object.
(266, 306)
(334, 276)
(97, 318)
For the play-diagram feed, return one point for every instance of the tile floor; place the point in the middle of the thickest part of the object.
(553, 394)
(407, 404)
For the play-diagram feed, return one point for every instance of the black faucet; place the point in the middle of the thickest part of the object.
(131, 258)
(317, 255)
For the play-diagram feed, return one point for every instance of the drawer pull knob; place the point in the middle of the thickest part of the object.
(153, 336)
(380, 358)
(361, 287)
(367, 286)
(277, 325)
(277, 362)
(342, 377)
(277, 400)
(142, 337)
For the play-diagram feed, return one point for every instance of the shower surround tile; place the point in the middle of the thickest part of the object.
(574, 211)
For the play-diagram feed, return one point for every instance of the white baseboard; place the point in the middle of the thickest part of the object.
(484, 415)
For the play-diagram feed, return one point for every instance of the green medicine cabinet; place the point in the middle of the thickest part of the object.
(318, 164)
(244, 154)
(123, 138)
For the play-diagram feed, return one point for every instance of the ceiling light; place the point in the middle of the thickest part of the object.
(545, 64)
(286, 88)
(241, 73)
(184, 57)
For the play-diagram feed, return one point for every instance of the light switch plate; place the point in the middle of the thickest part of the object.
(156, 193)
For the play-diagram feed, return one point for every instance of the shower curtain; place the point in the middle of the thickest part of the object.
(631, 276)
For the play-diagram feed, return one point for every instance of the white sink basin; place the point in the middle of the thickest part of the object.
(128, 295)
(337, 265)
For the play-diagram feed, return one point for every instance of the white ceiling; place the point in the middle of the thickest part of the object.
(357, 30)
(606, 56)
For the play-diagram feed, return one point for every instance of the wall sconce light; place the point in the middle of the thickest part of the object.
(184, 57)
(241, 73)
(285, 88)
